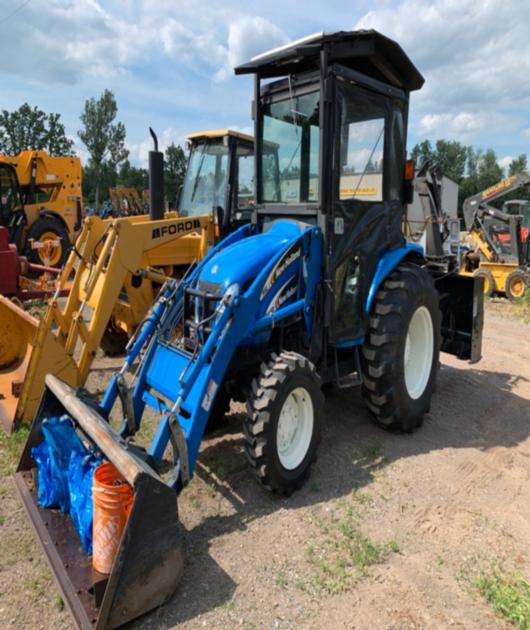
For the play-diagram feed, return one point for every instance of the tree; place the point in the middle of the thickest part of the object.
(31, 128)
(422, 152)
(174, 171)
(103, 138)
(130, 176)
(450, 155)
(518, 165)
(489, 171)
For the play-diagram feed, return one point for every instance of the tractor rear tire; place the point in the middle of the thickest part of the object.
(401, 353)
(282, 428)
(114, 341)
(47, 228)
(487, 278)
(515, 285)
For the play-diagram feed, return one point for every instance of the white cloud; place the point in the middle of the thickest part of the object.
(474, 55)
(247, 37)
(504, 162)
(139, 151)
(61, 41)
(462, 124)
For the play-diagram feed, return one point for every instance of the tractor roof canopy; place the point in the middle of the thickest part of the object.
(366, 51)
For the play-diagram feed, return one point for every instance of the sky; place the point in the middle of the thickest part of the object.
(170, 62)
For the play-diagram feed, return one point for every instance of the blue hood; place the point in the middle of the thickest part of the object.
(243, 260)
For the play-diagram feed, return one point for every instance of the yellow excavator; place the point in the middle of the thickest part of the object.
(41, 203)
(116, 268)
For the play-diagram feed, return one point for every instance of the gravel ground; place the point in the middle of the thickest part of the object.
(391, 531)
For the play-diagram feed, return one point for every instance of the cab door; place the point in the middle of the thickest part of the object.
(367, 199)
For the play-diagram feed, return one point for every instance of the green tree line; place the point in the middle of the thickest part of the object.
(108, 165)
(471, 168)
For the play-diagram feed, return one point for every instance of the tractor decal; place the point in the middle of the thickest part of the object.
(290, 256)
(176, 228)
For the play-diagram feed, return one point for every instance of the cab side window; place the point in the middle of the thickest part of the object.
(361, 148)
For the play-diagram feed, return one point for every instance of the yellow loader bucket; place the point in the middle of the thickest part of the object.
(18, 330)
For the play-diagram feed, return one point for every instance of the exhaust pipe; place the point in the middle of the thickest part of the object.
(156, 181)
(149, 563)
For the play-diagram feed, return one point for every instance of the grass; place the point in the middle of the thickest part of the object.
(518, 309)
(507, 593)
(11, 449)
(345, 554)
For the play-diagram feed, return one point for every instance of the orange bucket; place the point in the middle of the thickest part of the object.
(112, 497)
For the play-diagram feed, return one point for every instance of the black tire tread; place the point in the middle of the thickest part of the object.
(380, 353)
(265, 390)
(43, 224)
(516, 273)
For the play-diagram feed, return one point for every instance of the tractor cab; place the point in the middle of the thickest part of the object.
(216, 159)
(336, 108)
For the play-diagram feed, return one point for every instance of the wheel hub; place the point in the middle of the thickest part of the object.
(418, 352)
(295, 428)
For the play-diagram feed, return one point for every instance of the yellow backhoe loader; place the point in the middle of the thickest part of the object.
(115, 270)
(40, 201)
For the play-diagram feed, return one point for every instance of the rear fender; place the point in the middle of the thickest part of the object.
(387, 264)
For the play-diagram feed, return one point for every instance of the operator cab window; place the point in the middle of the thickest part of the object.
(245, 182)
(361, 148)
(290, 156)
(9, 194)
(205, 183)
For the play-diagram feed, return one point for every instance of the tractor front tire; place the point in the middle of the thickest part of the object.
(515, 285)
(48, 229)
(401, 353)
(282, 428)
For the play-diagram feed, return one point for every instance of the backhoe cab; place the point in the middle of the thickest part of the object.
(219, 178)
(320, 288)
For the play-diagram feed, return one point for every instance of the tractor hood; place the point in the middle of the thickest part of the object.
(243, 260)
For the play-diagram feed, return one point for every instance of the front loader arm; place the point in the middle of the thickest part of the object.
(106, 254)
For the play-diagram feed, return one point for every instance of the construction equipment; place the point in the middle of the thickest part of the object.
(127, 202)
(320, 288)
(41, 202)
(500, 254)
(15, 282)
(114, 273)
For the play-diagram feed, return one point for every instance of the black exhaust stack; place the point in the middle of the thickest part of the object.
(156, 181)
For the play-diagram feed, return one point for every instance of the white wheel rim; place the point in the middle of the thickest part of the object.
(295, 428)
(419, 348)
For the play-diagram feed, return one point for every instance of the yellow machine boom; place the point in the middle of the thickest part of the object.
(116, 264)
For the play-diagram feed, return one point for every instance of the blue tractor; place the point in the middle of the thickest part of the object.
(321, 287)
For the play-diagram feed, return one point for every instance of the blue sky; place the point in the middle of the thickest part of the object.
(169, 62)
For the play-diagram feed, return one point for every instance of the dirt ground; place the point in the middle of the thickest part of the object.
(391, 531)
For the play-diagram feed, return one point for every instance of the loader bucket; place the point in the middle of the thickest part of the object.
(17, 334)
(149, 563)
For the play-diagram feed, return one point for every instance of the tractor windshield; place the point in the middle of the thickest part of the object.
(290, 154)
(205, 184)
